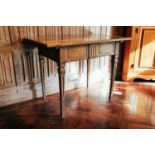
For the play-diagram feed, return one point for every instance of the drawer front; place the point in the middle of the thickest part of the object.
(73, 53)
(98, 50)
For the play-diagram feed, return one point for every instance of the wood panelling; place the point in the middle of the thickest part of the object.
(4, 35)
(7, 76)
(14, 33)
(42, 32)
(53, 32)
(19, 68)
(92, 31)
(30, 32)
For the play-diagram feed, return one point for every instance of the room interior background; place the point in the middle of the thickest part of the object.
(19, 66)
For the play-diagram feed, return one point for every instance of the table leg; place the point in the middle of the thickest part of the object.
(88, 71)
(61, 72)
(114, 61)
(42, 74)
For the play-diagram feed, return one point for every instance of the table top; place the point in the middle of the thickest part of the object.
(72, 42)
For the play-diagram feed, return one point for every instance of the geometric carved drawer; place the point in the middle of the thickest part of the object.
(101, 50)
(73, 53)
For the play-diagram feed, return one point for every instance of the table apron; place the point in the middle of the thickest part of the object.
(76, 53)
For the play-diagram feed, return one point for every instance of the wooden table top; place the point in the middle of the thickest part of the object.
(74, 42)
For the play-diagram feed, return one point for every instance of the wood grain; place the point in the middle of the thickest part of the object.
(4, 35)
(74, 42)
(14, 34)
(132, 107)
(7, 78)
(147, 55)
(139, 54)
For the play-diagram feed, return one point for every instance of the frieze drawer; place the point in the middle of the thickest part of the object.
(101, 50)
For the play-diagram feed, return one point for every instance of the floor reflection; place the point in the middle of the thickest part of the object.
(132, 106)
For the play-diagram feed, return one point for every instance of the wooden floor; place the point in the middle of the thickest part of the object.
(132, 106)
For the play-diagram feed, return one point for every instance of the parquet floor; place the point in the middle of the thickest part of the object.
(132, 106)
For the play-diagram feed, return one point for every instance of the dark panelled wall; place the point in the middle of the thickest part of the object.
(19, 67)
